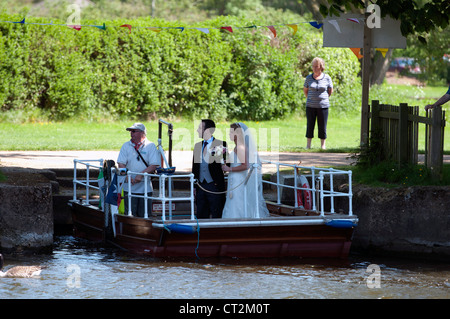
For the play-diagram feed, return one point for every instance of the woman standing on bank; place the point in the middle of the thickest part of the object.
(318, 88)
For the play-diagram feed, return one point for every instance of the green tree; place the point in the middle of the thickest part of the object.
(430, 56)
(417, 17)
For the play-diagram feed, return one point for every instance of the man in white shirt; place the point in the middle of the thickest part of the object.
(138, 155)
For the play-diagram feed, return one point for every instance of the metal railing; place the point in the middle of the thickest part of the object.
(87, 183)
(162, 192)
(317, 174)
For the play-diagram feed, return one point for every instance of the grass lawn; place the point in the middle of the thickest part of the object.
(284, 135)
(281, 135)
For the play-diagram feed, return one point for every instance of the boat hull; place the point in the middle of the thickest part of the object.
(274, 237)
(88, 223)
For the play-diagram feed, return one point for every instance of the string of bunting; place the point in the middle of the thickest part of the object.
(293, 26)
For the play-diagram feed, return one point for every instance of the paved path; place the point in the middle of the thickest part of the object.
(182, 160)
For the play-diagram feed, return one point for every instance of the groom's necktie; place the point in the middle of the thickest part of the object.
(205, 144)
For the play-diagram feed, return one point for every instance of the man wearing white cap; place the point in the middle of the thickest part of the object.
(138, 155)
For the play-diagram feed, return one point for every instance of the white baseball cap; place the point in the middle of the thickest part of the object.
(137, 126)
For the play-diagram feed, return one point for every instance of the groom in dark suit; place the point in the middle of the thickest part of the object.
(207, 170)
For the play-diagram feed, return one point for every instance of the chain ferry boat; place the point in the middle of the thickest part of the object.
(310, 228)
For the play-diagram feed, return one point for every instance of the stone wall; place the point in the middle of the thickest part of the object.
(409, 221)
(26, 212)
(403, 221)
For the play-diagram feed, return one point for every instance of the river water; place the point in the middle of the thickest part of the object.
(79, 270)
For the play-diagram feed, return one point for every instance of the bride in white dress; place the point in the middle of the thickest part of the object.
(244, 192)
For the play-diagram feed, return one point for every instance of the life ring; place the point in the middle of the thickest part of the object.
(304, 197)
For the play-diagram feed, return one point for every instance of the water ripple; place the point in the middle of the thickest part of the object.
(77, 269)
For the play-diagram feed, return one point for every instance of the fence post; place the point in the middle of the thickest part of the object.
(375, 121)
(367, 40)
(436, 142)
(403, 134)
(375, 128)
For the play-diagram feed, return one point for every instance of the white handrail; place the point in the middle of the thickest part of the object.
(162, 192)
(316, 173)
(322, 172)
(86, 182)
(331, 193)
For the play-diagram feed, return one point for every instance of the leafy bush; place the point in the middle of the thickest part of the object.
(58, 73)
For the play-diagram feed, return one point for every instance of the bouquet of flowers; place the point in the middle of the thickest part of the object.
(218, 150)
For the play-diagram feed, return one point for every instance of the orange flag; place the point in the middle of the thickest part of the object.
(356, 51)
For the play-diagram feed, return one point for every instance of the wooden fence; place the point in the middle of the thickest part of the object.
(398, 129)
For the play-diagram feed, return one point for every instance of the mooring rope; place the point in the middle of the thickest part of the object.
(197, 231)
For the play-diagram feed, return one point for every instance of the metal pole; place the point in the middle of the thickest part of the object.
(145, 195)
(278, 183)
(87, 184)
(170, 196)
(162, 194)
(331, 193)
(192, 196)
(365, 82)
(350, 194)
(295, 186)
(255, 165)
(129, 194)
(75, 180)
(322, 212)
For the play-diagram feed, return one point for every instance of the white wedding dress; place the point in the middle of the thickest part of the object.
(245, 195)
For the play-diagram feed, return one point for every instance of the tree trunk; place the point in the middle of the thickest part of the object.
(314, 7)
(380, 66)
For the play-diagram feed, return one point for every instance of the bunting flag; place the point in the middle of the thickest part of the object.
(316, 25)
(353, 20)
(383, 51)
(126, 26)
(336, 25)
(21, 22)
(228, 29)
(121, 202)
(204, 30)
(112, 195)
(103, 27)
(76, 27)
(271, 28)
(294, 27)
(356, 51)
